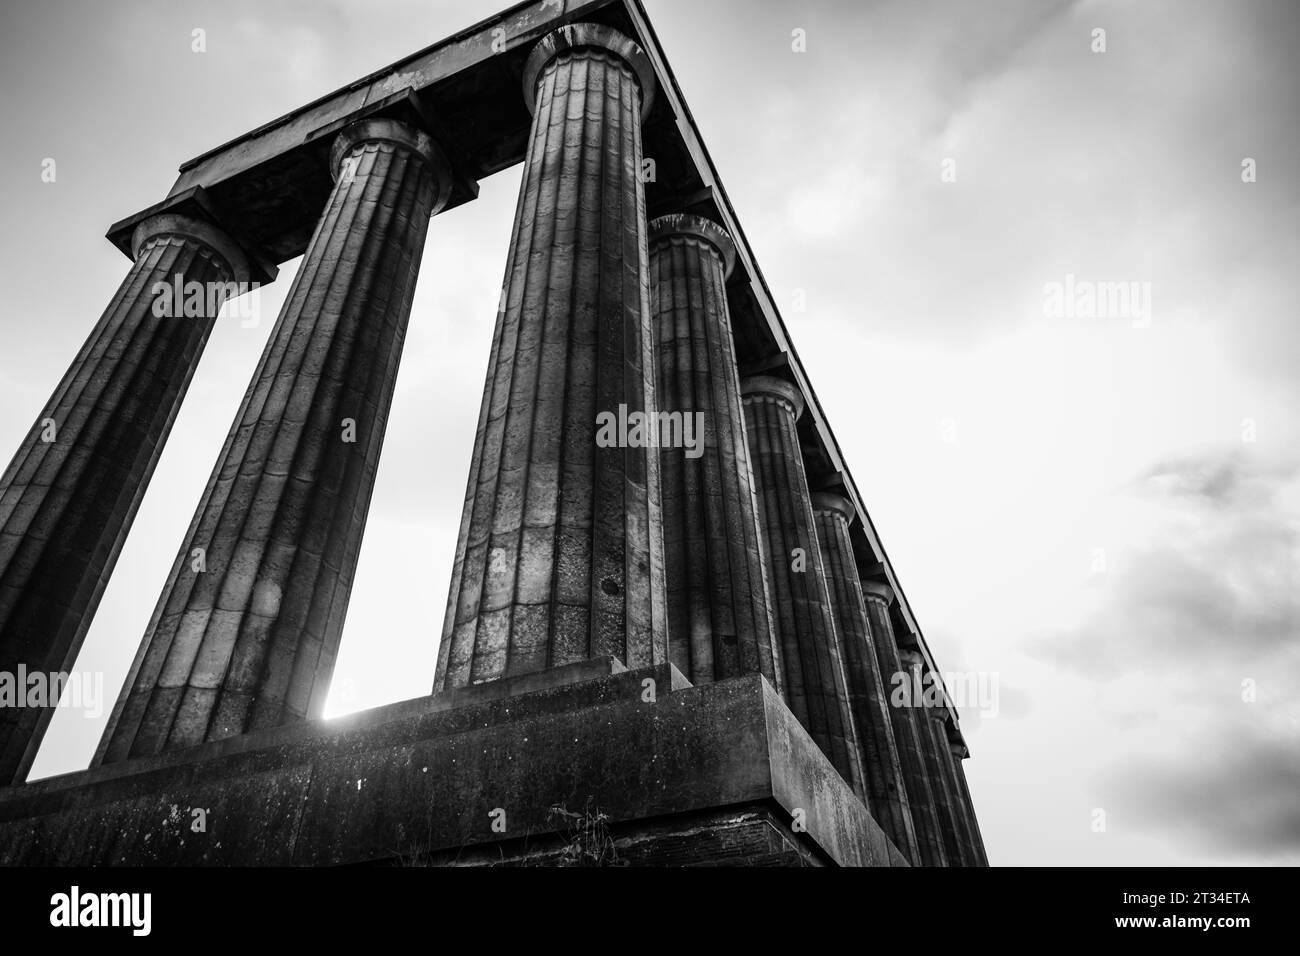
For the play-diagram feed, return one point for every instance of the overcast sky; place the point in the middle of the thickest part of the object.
(1099, 511)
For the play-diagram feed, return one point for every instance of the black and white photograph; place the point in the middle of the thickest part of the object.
(645, 435)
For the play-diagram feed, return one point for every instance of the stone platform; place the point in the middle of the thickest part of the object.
(721, 773)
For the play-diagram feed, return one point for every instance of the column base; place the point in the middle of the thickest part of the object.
(709, 775)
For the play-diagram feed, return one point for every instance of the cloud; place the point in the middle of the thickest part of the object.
(1212, 583)
(1014, 703)
(1235, 794)
(1223, 479)
(1191, 648)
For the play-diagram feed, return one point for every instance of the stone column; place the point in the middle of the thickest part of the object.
(928, 720)
(69, 496)
(560, 553)
(959, 753)
(816, 689)
(881, 767)
(908, 726)
(719, 618)
(245, 633)
(951, 800)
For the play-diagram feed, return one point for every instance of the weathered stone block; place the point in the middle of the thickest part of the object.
(425, 779)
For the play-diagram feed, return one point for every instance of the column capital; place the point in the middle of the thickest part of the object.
(773, 387)
(911, 658)
(578, 36)
(401, 134)
(881, 592)
(828, 501)
(195, 230)
(956, 740)
(680, 224)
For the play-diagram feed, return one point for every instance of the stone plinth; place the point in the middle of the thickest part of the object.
(441, 778)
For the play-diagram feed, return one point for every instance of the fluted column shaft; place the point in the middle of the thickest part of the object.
(929, 721)
(248, 640)
(68, 498)
(560, 553)
(719, 618)
(909, 726)
(816, 689)
(886, 790)
(963, 818)
(952, 817)
(963, 789)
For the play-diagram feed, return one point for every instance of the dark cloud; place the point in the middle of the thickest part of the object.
(1210, 604)
(1217, 587)
(1222, 478)
(1236, 794)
